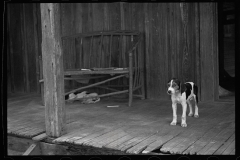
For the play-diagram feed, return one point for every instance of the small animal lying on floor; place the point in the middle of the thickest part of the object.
(84, 96)
(182, 94)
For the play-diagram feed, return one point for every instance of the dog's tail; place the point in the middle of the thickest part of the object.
(195, 91)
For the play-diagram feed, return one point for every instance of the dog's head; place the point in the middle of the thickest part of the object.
(174, 85)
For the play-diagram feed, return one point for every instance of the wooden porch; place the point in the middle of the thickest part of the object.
(140, 129)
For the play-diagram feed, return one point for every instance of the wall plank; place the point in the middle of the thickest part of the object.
(31, 81)
(207, 51)
(197, 50)
(16, 50)
(36, 47)
(178, 41)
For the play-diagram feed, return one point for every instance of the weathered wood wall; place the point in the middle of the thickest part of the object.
(180, 39)
(24, 47)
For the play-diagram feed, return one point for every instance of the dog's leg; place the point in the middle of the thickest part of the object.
(190, 109)
(196, 108)
(174, 108)
(196, 101)
(184, 109)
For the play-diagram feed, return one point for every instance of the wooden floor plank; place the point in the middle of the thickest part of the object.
(233, 152)
(96, 141)
(20, 126)
(176, 145)
(221, 149)
(191, 137)
(118, 142)
(229, 149)
(33, 131)
(216, 146)
(128, 144)
(219, 139)
(142, 145)
(108, 140)
(191, 133)
(90, 124)
(174, 142)
(81, 134)
(77, 133)
(93, 135)
(212, 148)
(14, 97)
(28, 131)
(184, 145)
(40, 137)
(24, 127)
(204, 140)
(158, 143)
(164, 136)
(21, 100)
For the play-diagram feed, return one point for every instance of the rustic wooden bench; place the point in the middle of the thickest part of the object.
(105, 56)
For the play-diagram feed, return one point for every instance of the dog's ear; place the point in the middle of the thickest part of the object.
(182, 88)
(177, 81)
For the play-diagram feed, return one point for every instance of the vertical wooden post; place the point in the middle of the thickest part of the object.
(36, 45)
(197, 50)
(55, 114)
(25, 49)
(208, 50)
(130, 79)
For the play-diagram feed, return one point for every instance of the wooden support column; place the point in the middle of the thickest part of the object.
(208, 51)
(52, 58)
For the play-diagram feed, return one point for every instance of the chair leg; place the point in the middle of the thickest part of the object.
(130, 88)
(130, 80)
(130, 95)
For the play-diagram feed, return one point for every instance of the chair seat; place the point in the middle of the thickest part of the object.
(97, 71)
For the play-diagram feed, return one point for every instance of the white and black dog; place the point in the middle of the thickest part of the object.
(182, 93)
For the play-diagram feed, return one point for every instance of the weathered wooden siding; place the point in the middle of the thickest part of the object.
(174, 36)
(23, 47)
(16, 50)
(208, 51)
(180, 40)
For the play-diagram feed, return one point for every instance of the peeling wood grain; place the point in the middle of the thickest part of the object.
(55, 114)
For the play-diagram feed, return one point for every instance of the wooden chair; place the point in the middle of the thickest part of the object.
(108, 55)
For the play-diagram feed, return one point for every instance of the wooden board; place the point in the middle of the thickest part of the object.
(207, 50)
(204, 143)
(158, 143)
(55, 113)
(217, 140)
(117, 142)
(128, 144)
(177, 142)
(107, 138)
(92, 136)
(169, 41)
(222, 148)
(142, 145)
(139, 129)
(79, 134)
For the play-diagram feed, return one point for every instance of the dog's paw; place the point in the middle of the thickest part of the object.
(196, 116)
(190, 114)
(173, 123)
(184, 124)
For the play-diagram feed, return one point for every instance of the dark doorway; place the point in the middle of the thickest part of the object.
(227, 50)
